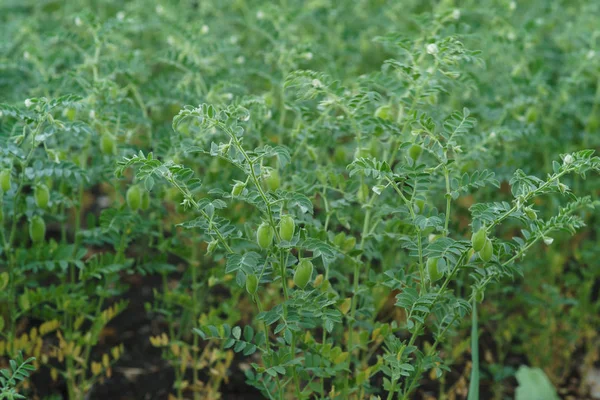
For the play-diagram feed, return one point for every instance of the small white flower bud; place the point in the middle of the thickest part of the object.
(78, 21)
(568, 159)
(28, 103)
(260, 14)
(456, 14)
(204, 29)
(432, 49)
(563, 188)
(120, 15)
(548, 240)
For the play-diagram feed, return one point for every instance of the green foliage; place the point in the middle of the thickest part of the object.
(9, 378)
(327, 189)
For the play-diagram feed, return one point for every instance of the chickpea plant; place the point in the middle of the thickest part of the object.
(348, 194)
(10, 378)
(321, 337)
(42, 192)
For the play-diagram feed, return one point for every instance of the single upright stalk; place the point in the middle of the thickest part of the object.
(474, 385)
(71, 386)
(448, 200)
(78, 218)
(63, 214)
(195, 301)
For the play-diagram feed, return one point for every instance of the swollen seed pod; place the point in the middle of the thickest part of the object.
(107, 144)
(272, 180)
(478, 239)
(385, 112)
(479, 296)
(487, 251)
(531, 115)
(264, 235)
(212, 245)
(37, 229)
(531, 214)
(41, 193)
(134, 197)
(415, 151)
(70, 113)
(363, 193)
(287, 227)
(432, 269)
(238, 188)
(251, 284)
(349, 244)
(5, 180)
(145, 200)
(303, 273)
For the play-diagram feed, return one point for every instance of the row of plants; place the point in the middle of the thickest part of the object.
(338, 199)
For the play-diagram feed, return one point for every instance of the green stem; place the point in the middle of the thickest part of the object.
(71, 386)
(448, 200)
(419, 236)
(294, 372)
(194, 203)
(195, 301)
(528, 197)
(474, 384)
(267, 339)
(355, 285)
(253, 176)
(98, 312)
(63, 213)
(429, 353)
(8, 245)
(76, 235)
(323, 341)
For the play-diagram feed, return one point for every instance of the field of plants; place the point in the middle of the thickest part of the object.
(299, 199)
